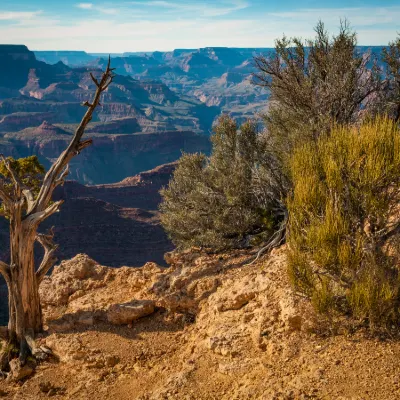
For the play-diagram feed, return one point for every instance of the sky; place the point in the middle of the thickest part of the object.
(146, 25)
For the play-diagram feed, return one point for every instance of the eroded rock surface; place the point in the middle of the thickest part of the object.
(217, 329)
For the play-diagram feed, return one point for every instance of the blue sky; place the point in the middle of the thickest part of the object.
(146, 25)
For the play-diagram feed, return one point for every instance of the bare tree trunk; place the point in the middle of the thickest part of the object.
(26, 213)
(23, 281)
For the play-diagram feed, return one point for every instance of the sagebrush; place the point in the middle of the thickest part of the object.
(344, 221)
(212, 201)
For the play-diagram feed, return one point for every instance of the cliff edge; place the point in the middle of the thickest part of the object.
(207, 327)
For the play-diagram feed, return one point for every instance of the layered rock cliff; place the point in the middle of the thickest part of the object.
(111, 158)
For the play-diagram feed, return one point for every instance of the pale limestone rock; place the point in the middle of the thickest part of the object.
(124, 314)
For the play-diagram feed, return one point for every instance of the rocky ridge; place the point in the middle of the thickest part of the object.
(207, 327)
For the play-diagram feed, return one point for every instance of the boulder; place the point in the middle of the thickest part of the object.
(126, 313)
(19, 372)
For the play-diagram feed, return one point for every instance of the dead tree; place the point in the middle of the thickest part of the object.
(26, 212)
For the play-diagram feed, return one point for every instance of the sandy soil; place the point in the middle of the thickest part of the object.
(220, 330)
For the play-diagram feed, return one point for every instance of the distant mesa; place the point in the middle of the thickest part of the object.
(47, 129)
(66, 57)
(122, 125)
(69, 86)
(16, 52)
(159, 175)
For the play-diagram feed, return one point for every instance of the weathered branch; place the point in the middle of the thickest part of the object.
(5, 270)
(84, 144)
(48, 259)
(109, 82)
(51, 179)
(95, 80)
(30, 199)
(61, 179)
(40, 216)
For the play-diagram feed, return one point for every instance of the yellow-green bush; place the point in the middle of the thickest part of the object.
(344, 221)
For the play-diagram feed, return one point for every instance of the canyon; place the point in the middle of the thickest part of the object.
(140, 124)
(216, 76)
(180, 324)
(116, 224)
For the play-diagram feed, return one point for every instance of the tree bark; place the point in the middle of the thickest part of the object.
(24, 283)
(26, 213)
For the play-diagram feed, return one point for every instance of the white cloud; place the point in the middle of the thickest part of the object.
(137, 29)
(197, 9)
(101, 9)
(109, 11)
(357, 16)
(85, 6)
(18, 16)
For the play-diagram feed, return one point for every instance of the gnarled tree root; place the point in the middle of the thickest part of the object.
(18, 359)
(276, 240)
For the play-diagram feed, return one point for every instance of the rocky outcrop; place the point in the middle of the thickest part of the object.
(220, 329)
(232, 313)
(46, 129)
(217, 291)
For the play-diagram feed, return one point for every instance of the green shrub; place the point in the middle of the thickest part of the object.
(391, 58)
(212, 201)
(28, 170)
(344, 228)
(314, 83)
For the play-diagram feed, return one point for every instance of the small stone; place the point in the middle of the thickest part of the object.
(126, 313)
(45, 387)
(98, 364)
(86, 319)
(112, 361)
(18, 372)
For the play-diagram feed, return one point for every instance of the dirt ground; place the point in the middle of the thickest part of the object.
(219, 330)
